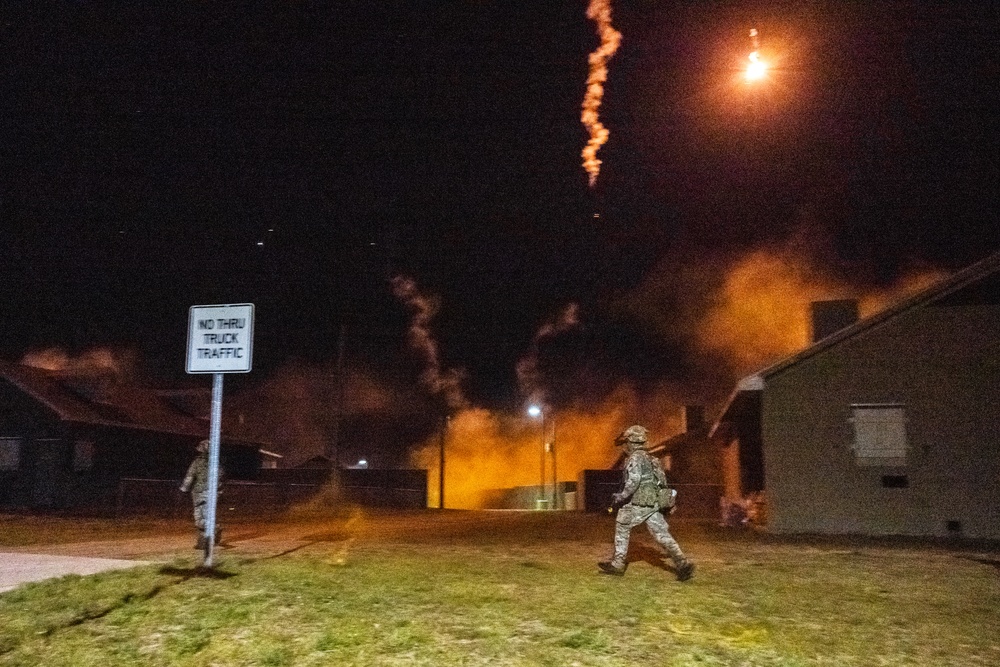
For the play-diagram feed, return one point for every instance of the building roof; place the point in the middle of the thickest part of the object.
(985, 271)
(105, 399)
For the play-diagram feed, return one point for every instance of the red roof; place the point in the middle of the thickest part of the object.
(101, 399)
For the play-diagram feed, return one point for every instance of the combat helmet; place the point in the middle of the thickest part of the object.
(634, 437)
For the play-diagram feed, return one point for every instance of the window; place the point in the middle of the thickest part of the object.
(895, 481)
(83, 455)
(10, 453)
(879, 434)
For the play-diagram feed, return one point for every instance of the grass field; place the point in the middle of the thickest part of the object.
(467, 588)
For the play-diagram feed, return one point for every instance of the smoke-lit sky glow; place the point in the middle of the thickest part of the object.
(301, 156)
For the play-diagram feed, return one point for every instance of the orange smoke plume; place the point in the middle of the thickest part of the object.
(598, 11)
(486, 451)
(909, 284)
(762, 314)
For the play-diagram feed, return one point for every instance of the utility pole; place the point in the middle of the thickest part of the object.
(444, 434)
(555, 475)
(338, 399)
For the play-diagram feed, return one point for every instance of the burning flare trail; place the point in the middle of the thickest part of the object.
(598, 11)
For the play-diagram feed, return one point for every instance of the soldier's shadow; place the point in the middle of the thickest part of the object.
(186, 573)
(648, 554)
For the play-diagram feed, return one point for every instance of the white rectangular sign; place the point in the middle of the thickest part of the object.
(220, 339)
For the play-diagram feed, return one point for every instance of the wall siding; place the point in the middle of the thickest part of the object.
(943, 365)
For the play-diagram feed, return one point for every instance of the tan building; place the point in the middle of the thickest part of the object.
(888, 426)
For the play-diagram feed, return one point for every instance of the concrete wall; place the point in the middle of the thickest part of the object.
(532, 497)
(943, 365)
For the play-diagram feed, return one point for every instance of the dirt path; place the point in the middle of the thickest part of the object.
(285, 534)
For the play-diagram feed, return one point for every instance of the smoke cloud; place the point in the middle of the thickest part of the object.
(598, 11)
(761, 313)
(487, 450)
(295, 410)
(528, 374)
(445, 384)
(725, 316)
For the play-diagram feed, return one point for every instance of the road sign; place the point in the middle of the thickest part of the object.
(220, 339)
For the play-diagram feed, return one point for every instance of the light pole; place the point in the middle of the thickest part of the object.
(536, 411)
(444, 434)
(555, 476)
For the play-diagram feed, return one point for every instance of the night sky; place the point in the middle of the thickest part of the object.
(299, 155)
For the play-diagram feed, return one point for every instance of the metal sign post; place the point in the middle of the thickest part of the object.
(220, 340)
(215, 430)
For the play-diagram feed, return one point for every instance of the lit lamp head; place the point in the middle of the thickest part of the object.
(757, 69)
(534, 411)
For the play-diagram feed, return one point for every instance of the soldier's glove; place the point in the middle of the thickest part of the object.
(618, 498)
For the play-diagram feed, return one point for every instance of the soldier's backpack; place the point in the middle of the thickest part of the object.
(654, 490)
(668, 498)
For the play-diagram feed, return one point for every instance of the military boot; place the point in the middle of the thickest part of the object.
(608, 567)
(685, 569)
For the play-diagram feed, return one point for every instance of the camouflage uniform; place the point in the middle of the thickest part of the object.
(196, 481)
(643, 479)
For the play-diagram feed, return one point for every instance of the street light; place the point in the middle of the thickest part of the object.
(443, 437)
(536, 412)
(547, 446)
(757, 69)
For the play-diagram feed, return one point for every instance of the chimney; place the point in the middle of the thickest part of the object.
(829, 317)
(694, 417)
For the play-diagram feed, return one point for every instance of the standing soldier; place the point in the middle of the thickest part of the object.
(196, 481)
(644, 478)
